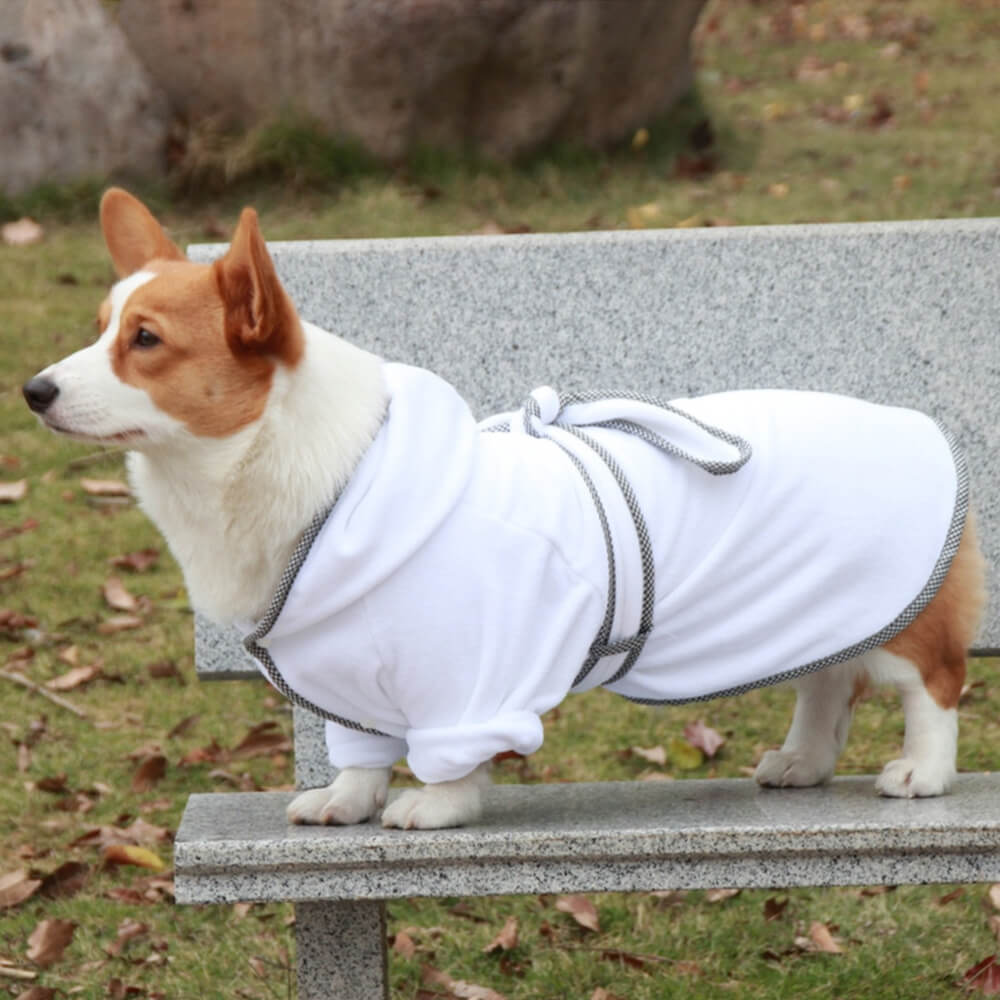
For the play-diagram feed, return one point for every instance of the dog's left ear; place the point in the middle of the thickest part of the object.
(259, 315)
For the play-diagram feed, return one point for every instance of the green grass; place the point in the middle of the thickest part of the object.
(786, 149)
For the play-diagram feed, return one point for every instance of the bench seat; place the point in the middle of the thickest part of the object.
(609, 836)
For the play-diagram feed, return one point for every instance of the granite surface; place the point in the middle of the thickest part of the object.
(340, 951)
(598, 837)
(905, 312)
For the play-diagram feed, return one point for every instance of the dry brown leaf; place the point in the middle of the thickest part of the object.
(36, 992)
(983, 977)
(457, 987)
(265, 738)
(950, 897)
(703, 737)
(22, 233)
(117, 596)
(823, 940)
(774, 908)
(720, 895)
(581, 909)
(69, 655)
(16, 887)
(655, 755)
(119, 623)
(74, 678)
(404, 945)
(128, 929)
(600, 993)
(105, 488)
(187, 723)
(129, 854)
(48, 941)
(506, 939)
(149, 772)
(12, 492)
(138, 561)
(66, 880)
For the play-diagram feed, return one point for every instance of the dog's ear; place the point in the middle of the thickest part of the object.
(259, 314)
(133, 236)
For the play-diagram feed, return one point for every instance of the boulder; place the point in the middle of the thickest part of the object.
(498, 76)
(75, 100)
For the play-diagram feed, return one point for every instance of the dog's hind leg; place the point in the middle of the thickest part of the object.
(823, 708)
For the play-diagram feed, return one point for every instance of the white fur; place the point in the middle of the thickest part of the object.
(823, 717)
(93, 403)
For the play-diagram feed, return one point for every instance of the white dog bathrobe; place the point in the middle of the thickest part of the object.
(469, 576)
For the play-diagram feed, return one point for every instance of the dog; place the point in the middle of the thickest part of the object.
(431, 586)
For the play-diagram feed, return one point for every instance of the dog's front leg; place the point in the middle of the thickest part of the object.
(356, 794)
(445, 803)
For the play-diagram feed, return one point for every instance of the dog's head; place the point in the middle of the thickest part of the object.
(184, 349)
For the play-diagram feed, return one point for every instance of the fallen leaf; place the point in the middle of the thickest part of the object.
(774, 908)
(950, 897)
(720, 895)
(600, 993)
(162, 669)
(74, 678)
(128, 929)
(65, 881)
(404, 945)
(983, 977)
(22, 233)
(629, 958)
(105, 487)
(822, 940)
(149, 772)
(35, 992)
(581, 909)
(264, 738)
(683, 755)
(138, 561)
(457, 987)
(119, 623)
(70, 655)
(117, 596)
(655, 755)
(129, 854)
(183, 726)
(16, 887)
(48, 941)
(506, 939)
(703, 737)
(13, 491)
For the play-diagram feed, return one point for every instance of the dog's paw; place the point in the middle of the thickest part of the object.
(355, 795)
(790, 769)
(909, 779)
(433, 807)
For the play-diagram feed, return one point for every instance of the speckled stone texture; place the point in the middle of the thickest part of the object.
(905, 313)
(618, 836)
(340, 951)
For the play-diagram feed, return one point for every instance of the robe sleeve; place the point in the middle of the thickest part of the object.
(350, 748)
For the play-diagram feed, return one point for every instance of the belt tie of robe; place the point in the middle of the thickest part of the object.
(561, 418)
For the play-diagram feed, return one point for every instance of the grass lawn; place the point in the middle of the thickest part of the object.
(820, 112)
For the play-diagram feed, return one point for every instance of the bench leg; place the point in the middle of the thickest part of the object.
(341, 950)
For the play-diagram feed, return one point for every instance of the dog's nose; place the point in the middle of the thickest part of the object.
(40, 393)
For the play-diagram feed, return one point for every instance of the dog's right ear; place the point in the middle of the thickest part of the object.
(132, 235)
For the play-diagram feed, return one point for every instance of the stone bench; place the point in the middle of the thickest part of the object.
(905, 313)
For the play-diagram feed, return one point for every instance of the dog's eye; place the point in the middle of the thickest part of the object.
(145, 338)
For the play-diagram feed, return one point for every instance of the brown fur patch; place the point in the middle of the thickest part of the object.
(192, 374)
(132, 235)
(939, 638)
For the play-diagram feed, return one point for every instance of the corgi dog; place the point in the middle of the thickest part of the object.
(432, 586)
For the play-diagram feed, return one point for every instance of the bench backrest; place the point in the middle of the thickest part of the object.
(905, 313)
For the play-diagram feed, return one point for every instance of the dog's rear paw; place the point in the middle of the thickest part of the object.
(790, 769)
(355, 795)
(908, 779)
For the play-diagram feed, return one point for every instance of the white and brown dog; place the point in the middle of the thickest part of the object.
(432, 586)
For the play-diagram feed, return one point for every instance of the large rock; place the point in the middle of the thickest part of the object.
(74, 101)
(500, 76)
